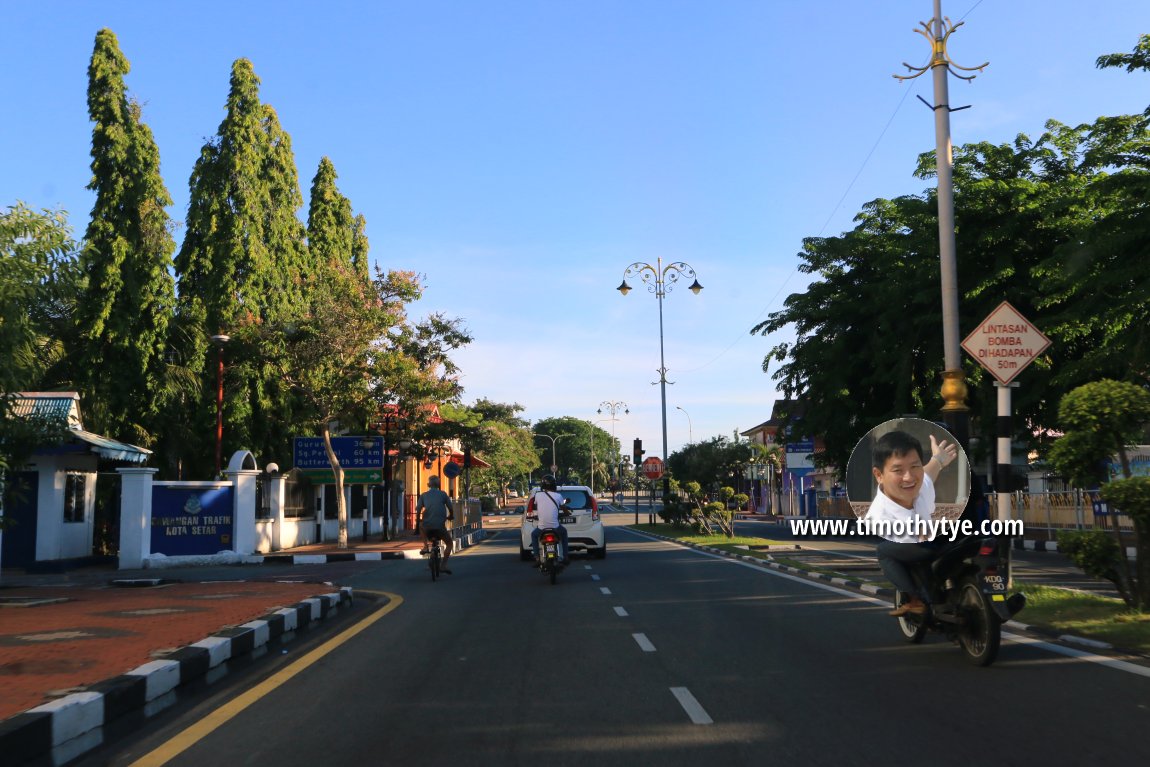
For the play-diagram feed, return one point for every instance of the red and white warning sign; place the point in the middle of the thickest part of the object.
(1005, 343)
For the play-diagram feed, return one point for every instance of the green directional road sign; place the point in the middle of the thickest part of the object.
(350, 476)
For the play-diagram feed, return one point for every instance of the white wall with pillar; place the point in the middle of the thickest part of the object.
(136, 516)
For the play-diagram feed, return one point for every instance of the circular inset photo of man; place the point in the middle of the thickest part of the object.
(908, 467)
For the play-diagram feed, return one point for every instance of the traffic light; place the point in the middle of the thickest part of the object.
(637, 452)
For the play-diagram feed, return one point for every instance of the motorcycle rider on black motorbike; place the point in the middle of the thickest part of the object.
(547, 506)
(906, 494)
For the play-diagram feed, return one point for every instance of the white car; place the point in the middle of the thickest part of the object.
(581, 518)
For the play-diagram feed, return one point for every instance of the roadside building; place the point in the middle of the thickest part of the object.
(49, 506)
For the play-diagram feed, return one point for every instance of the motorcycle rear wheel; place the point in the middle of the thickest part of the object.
(913, 626)
(979, 630)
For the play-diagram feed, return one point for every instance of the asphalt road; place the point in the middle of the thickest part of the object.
(657, 655)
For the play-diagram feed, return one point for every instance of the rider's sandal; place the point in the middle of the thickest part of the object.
(908, 607)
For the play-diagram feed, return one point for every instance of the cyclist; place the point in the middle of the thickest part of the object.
(433, 511)
(547, 513)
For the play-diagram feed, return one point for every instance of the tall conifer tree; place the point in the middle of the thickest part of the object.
(123, 315)
(241, 262)
(330, 227)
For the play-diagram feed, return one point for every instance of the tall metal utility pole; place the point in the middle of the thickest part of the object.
(937, 31)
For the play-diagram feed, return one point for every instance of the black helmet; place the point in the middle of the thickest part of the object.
(548, 483)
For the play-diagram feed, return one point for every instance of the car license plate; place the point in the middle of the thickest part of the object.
(993, 584)
(567, 520)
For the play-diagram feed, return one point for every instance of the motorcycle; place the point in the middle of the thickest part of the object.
(549, 561)
(968, 599)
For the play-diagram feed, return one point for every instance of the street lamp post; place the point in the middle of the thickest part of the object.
(219, 340)
(690, 428)
(659, 280)
(612, 408)
(554, 463)
(937, 32)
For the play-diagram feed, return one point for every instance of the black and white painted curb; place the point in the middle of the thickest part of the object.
(63, 729)
(883, 591)
(1052, 546)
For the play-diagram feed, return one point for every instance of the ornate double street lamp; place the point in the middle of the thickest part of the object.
(554, 463)
(659, 280)
(612, 408)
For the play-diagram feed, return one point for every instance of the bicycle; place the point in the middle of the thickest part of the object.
(435, 554)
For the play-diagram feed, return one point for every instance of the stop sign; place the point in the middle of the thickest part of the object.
(653, 467)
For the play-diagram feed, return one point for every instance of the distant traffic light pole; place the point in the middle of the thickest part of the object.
(659, 280)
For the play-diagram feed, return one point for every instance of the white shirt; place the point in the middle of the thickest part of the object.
(884, 509)
(548, 513)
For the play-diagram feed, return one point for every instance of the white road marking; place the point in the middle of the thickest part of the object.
(594, 577)
(586, 567)
(621, 612)
(694, 710)
(605, 591)
(643, 642)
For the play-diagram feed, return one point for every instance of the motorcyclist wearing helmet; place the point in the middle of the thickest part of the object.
(546, 506)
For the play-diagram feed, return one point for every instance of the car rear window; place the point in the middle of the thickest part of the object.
(576, 499)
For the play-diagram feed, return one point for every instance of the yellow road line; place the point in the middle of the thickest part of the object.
(201, 729)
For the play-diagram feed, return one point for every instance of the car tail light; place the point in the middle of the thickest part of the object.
(594, 509)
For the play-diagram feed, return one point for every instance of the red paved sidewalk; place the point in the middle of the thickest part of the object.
(100, 631)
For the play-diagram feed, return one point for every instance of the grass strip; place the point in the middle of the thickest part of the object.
(1080, 613)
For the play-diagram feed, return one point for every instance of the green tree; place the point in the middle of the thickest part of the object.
(242, 261)
(575, 439)
(868, 340)
(331, 230)
(1100, 420)
(123, 314)
(1138, 59)
(338, 353)
(39, 276)
(511, 452)
(710, 463)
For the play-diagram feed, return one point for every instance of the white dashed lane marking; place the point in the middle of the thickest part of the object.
(694, 710)
(643, 642)
(594, 577)
(620, 612)
(605, 591)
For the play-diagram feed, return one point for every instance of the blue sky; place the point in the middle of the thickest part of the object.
(522, 154)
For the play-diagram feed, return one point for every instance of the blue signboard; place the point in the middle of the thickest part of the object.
(351, 452)
(192, 520)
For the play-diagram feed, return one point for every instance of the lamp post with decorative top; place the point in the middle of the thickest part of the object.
(659, 280)
(937, 32)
